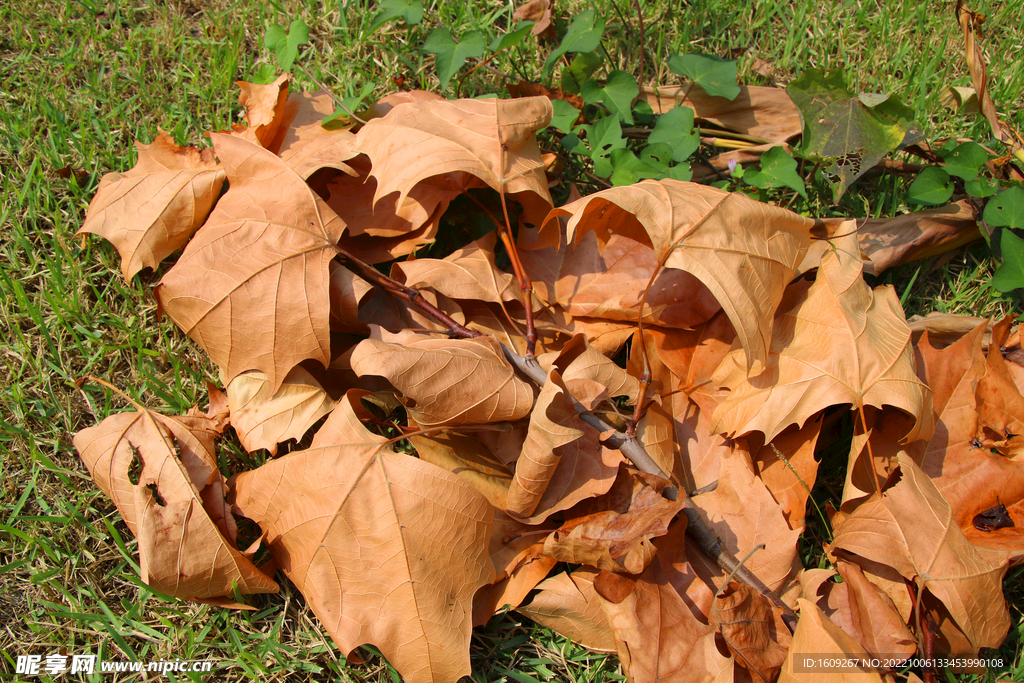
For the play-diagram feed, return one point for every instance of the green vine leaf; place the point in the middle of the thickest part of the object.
(451, 55)
(715, 75)
(966, 160)
(1006, 209)
(409, 10)
(778, 169)
(1010, 275)
(582, 67)
(616, 95)
(675, 128)
(512, 38)
(565, 115)
(931, 186)
(285, 44)
(584, 35)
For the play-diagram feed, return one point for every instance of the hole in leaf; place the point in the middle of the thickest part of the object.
(156, 495)
(135, 466)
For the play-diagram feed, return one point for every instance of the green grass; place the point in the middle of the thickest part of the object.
(84, 80)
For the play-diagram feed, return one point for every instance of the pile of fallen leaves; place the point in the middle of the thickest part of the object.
(653, 511)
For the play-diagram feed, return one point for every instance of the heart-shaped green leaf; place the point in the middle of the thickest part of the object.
(966, 160)
(451, 55)
(616, 95)
(410, 10)
(513, 37)
(675, 128)
(932, 186)
(565, 115)
(1006, 209)
(778, 169)
(715, 75)
(285, 44)
(1010, 275)
(584, 35)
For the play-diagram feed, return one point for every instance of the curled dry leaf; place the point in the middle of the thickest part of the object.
(744, 252)
(468, 458)
(816, 634)
(835, 342)
(568, 604)
(262, 420)
(152, 210)
(618, 540)
(468, 273)
(861, 609)
(252, 286)
(264, 112)
(448, 381)
(790, 476)
(562, 460)
(304, 144)
(754, 631)
(175, 507)
(387, 549)
(491, 140)
(911, 528)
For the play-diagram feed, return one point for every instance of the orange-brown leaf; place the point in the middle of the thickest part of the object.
(387, 549)
(567, 604)
(152, 210)
(185, 550)
(753, 629)
(818, 636)
(252, 286)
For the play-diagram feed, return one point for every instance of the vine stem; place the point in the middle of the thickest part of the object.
(337, 100)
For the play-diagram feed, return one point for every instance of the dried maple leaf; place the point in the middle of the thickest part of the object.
(304, 144)
(911, 528)
(754, 631)
(790, 476)
(618, 540)
(468, 458)
(262, 420)
(175, 507)
(492, 141)
(744, 252)
(468, 273)
(860, 608)
(969, 475)
(264, 111)
(252, 286)
(448, 382)
(835, 342)
(1000, 403)
(387, 549)
(567, 604)
(152, 210)
(817, 636)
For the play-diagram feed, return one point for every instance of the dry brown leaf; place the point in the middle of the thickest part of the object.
(387, 549)
(252, 286)
(491, 140)
(448, 382)
(754, 631)
(912, 529)
(538, 11)
(659, 639)
(817, 636)
(348, 293)
(888, 242)
(264, 111)
(304, 144)
(1000, 403)
(969, 475)
(262, 420)
(185, 549)
(861, 609)
(568, 605)
(835, 342)
(758, 111)
(970, 23)
(152, 210)
(467, 457)
(468, 273)
(618, 540)
(562, 460)
(606, 280)
(389, 102)
(791, 477)
(743, 251)
(345, 423)
(946, 328)
(744, 515)
(583, 368)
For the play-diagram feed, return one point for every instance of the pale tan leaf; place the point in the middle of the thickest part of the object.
(387, 550)
(568, 605)
(304, 144)
(262, 420)
(758, 111)
(152, 210)
(448, 382)
(348, 293)
(582, 368)
(912, 529)
(252, 286)
(491, 140)
(743, 251)
(467, 273)
(821, 639)
(835, 342)
(345, 423)
(946, 328)
(791, 476)
(183, 551)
